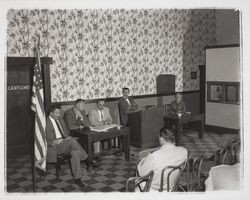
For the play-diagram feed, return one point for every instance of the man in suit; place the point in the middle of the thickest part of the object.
(57, 136)
(99, 115)
(166, 155)
(178, 105)
(76, 117)
(126, 104)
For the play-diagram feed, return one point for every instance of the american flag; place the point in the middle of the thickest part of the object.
(37, 105)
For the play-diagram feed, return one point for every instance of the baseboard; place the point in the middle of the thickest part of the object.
(221, 130)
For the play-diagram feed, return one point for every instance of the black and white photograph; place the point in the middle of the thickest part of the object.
(136, 99)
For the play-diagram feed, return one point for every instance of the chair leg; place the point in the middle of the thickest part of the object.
(57, 171)
(70, 167)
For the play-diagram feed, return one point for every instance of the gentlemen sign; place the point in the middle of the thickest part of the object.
(18, 87)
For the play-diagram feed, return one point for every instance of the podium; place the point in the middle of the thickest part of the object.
(145, 127)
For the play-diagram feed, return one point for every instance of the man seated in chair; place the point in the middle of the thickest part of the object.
(76, 117)
(126, 104)
(57, 136)
(225, 177)
(178, 105)
(98, 116)
(166, 155)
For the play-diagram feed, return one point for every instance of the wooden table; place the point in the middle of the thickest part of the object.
(87, 137)
(185, 118)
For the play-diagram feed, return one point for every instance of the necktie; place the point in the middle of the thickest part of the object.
(60, 129)
(128, 101)
(102, 115)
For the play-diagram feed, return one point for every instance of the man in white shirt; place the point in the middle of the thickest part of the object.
(98, 116)
(57, 136)
(167, 155)
(225, 177)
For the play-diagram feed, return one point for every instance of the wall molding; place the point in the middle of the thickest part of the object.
(221, 130)
(135, 97)
(222, 46)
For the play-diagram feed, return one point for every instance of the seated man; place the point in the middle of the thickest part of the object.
(126, 104)
(76, 117)
(167, 155)
(224, 177)
(178, 105)
(57, 135)
(99, 115)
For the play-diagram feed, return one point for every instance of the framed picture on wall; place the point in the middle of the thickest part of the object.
(232, 93)
(223, 92)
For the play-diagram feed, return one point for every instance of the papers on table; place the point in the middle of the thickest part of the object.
(104, 128)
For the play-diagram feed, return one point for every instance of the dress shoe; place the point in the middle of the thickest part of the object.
(79, 183)
(92, 163)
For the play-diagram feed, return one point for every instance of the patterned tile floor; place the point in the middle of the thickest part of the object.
(111, 176)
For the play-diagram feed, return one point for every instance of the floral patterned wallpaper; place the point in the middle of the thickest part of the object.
(97, 52)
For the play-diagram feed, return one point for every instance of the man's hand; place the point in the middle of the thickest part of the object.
(57, 141)
(78, 113)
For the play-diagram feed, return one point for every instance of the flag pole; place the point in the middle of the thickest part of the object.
(33, 160)
(37, 105)
(33, 140)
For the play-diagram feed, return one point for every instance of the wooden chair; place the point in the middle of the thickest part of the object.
(143, 182)
(167, 108)
(227, 154)
(57, 159)
(192, 179)
(172, 171)
(150, 107)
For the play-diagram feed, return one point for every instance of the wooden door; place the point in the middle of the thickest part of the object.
(19, 116)
(202, 69)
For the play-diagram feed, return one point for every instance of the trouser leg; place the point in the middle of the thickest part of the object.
(77, 147)
(75, 164)
(73, 148)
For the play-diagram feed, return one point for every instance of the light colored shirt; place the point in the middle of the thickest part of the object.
(166, 155)
(223, 177)
(57, 132)
(101, 114)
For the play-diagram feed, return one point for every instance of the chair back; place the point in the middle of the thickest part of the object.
(143, 182)
(194, 172)
(150, 107)
(174, 174)
(235, 148)
(167, 108)
(227, 154)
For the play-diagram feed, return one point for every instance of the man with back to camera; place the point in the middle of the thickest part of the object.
(225, 177)
(76, 117)
(57, 135)
(156, 159)
(178, 105)
(98, 116)
(126, 104)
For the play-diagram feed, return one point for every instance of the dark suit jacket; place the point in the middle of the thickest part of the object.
(72, 122)
(124, 108)
(50, 131)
